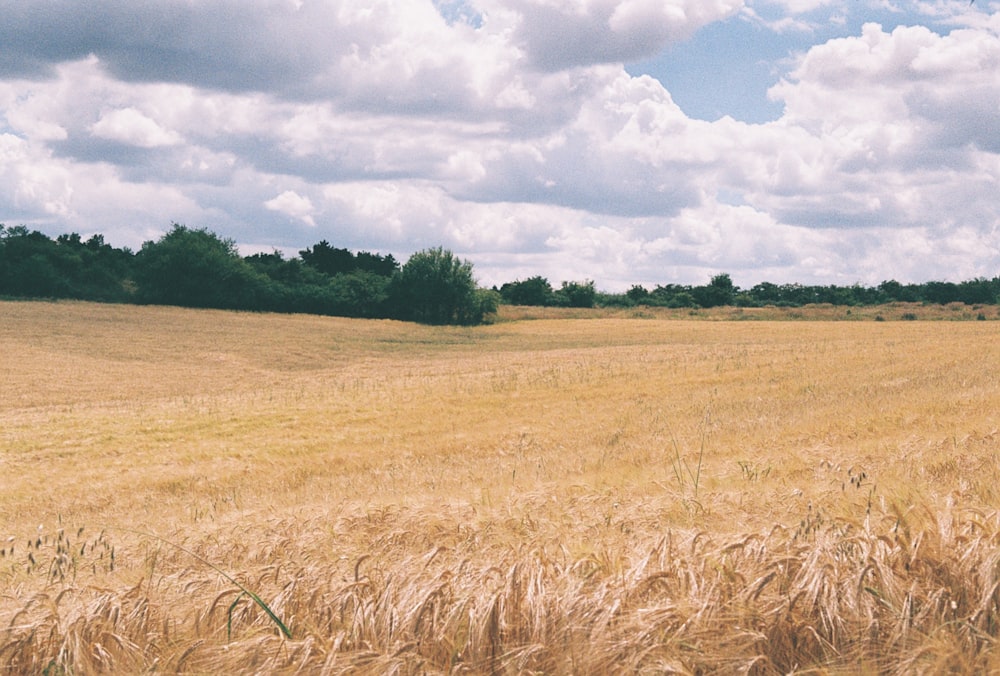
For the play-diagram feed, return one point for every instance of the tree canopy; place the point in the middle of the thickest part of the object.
(195, 268)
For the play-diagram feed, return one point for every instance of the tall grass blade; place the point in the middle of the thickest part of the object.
(256, 599)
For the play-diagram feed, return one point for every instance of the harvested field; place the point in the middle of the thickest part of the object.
(619, 493)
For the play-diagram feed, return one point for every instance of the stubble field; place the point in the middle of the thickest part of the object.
(626, 493)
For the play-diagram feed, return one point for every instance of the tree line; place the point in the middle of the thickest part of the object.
(197, 268)
(721, 291)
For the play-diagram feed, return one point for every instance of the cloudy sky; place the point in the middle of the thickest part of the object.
(623, 141)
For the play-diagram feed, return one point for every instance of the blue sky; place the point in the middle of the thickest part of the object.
(623, 141)
(727, 67)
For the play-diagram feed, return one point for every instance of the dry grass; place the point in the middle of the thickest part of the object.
(560, 495)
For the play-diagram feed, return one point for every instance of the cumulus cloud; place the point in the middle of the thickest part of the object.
(629, 151)
(893, 123)
(31, 182)
(560, 34)
(215, 43)
(130, 126)
(293, 204)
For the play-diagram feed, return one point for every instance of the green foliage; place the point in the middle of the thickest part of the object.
(538, 292)
(196, 268)
(637, 293)
(327, 259)
(670, 295)
(532, 291)
(34, 266)
(333, 261)
(613, 300)
(891, 290)
(720, 291)
(576, 294)
(294, 286)
(359, 294)
(488, 302)
(682, 299)
(435, 287)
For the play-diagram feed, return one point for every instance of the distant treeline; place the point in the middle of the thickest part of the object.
(721, 291)
(197, 268)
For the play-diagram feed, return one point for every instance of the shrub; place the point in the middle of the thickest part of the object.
(435, 287)
(577, 294)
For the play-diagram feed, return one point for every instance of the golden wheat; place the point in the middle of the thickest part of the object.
(558, 495)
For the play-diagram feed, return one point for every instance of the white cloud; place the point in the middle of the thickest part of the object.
(293, 204)
(783, 24)
(894, 122)
(130, 126)
(629, 150)
(31, 182)
(802, 6)
(560, 34)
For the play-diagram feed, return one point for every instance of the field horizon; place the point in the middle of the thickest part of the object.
(638, 490)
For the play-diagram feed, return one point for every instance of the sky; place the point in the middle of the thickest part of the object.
(619, 141)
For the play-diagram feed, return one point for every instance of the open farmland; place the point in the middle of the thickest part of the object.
(553, 495)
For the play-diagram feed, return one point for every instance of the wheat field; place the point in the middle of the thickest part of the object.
(610, 493)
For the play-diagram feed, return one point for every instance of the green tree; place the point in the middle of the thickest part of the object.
(359, 294)
(532, 291)
(637, 293)
(766, 293)
(977, 291)
(577, 294)
(435, 287)
(26, 264)
(940, 292)
(385, 266)
(93, 269)
(720, 291)
(327, 259)
(197, 268)
(32, 265)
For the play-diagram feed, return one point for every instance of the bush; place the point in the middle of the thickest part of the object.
(435, 287)
(488, 301)
(682, 299)
(637, 293)
(359, 294)
(577, 294)
(532, 291)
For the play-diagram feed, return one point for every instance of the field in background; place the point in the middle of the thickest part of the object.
(616, 492)
(821, 312)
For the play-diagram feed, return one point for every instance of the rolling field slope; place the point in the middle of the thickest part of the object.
(556, 495)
